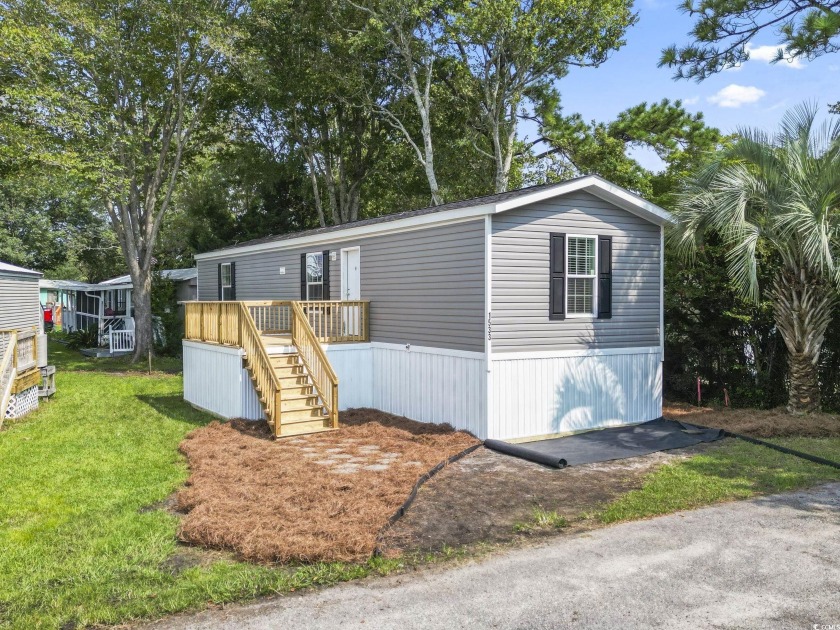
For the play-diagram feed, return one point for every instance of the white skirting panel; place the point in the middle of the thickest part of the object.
(542, 395)
(431, 385)
(353, 364)
(215, 380)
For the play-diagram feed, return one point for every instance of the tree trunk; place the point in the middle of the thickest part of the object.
(142, 303)
(802, 311)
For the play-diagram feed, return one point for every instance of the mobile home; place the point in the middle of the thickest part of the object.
(522, 314)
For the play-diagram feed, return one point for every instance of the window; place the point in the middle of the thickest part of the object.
(226, 282)
(580, 281)
(315, 276)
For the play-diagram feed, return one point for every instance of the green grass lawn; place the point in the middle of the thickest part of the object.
(80, 545)
(76, 544)
(732, 470)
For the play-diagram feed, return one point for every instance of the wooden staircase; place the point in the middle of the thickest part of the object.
(301, 408)
(296, 384)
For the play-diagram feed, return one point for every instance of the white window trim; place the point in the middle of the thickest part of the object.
(594, 313)
(315, 284)
(226, 286)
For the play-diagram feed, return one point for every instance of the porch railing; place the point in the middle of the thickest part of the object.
(26, 348)
(338, 321)
(8, 350)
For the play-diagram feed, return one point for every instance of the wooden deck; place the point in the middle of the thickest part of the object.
(296, 384)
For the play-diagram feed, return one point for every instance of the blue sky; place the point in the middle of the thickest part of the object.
(755, 95)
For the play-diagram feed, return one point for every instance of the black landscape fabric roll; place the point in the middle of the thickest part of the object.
(609, 444)
(515, 450)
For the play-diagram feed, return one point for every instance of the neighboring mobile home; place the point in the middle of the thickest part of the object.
(23, 346)
(527, 313)
(106, 306)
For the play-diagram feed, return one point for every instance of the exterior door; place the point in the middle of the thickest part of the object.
(351, 289)
(351, 279)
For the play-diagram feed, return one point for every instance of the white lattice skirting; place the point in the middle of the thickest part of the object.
(22, 403)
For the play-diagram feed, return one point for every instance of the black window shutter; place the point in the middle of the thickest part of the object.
(604, 277)
(221, 297)
(557, 268)
(233, 281)
(303, 276)
(326, 277)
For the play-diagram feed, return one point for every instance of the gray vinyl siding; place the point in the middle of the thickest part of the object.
(19, 302)
(425, 286)
(520, 291)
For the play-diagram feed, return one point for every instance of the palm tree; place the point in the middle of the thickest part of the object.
(780, 192)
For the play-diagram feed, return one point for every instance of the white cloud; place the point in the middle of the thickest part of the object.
(768, 54)
(734, 95)
(691, 100)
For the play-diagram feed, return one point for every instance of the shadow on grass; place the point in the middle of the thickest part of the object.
(69, 360)
(175, 407)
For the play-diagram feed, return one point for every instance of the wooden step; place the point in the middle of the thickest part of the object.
(302, 414)
(294, 380)
(288, 370)
(298, 390)
(298, 401)
(302, 428)
(284, 359)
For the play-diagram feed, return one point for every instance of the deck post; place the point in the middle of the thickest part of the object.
(277, 414)
(334, 410)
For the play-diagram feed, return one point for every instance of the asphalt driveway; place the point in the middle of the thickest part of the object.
(766, 563)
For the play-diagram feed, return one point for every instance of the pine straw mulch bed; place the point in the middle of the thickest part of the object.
(319, 497)
(758, 423)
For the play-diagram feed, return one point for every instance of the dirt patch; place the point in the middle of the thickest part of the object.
(485, 496)
(320, 497)
(759, 423)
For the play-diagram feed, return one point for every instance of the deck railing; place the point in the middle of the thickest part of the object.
(8, 350)
(315, 360)
(26, 348)
(338, 321)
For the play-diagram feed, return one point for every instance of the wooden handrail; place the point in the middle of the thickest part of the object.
(260, 367)
(315, 360)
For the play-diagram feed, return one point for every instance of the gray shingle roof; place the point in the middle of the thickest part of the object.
(454, 205)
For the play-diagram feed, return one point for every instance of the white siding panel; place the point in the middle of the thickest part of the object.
(215, 380)
(541, 396)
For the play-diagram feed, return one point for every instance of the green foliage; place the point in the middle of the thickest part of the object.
(169, 329)
(82, 338)
(713, 333)
(723, 30)
(682, 140)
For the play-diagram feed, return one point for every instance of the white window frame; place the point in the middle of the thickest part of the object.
(228, 287)
(570, 276)
(308, 283)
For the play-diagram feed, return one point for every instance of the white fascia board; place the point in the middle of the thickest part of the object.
(599, 187)
(446, 217)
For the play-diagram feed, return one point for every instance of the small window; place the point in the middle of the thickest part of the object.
(580, 284)
(315, 276)
(226, 282)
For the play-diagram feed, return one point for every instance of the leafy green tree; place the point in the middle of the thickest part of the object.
(723, 29)
(118, 94)
(781, 193)
(682, 141)
(515, 50)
